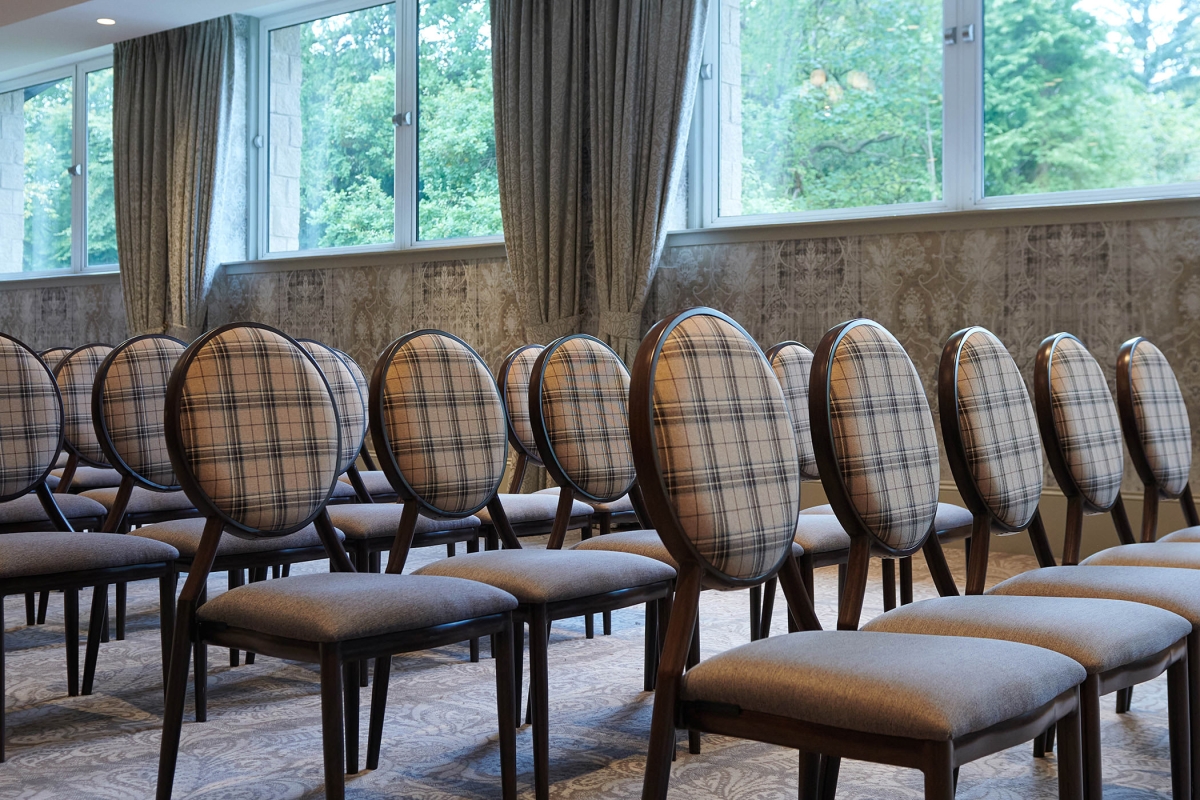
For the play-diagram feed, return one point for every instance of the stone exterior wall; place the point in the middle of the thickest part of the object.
(286, 140)
(730, 91)
(12, 180)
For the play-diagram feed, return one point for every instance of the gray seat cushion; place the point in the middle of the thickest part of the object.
(622, 505)
(1176, 590)
(1182, 555)
(26, 554)
(949, 516)
(1099, 634)
(375, 481)
(340, 606)
(1191, 534)
(642, 543)
(898, 685)
(375, 520)
(144, 501)
(547, 576)
(343, 491)
(821, 533)
(92, 478)
(28, 509)
(527, 508)
(185, 534)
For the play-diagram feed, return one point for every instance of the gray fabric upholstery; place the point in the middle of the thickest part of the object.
(341, 606)
(821, 533)
(375, 481)
(900, 685)
(185, 534)
(1176, 590)
(527, 508)
(373, 520)
(50, 552)
(1099, 634)
(1151, 554)
(547, 576)
(642, 543)
(622, 505)
(91, 478)
(342, 490)
(1191, 534)
(947, 518)
(27, 508)
(143, 501)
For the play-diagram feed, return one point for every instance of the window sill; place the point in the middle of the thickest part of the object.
(940, 220)
(19, 280)
(419, 254)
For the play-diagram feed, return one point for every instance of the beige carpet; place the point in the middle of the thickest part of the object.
(262, 739)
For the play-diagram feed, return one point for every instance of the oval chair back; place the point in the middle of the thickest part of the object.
(792, 363)
(1158, 432)
(513, 378)
(75, 374)
(714, 451)
(347, 396)
(54, 355)
(876, 449)
(31, 422)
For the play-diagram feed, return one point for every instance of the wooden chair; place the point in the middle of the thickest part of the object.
(371, 485)
(86, 468)
(440, 429)
(246, 401)
(31, 438)
(728, 515)
(987, 414)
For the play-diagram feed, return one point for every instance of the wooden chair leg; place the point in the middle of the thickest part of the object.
(810, 776)
(176, 695)
(1124, 700)
(693, 660)
(379, 692)
(538, 685)
(1089, 723)
(122, 603)
(31, 608)
(768, 608)
(518, 666)
(351, 701)
(1193, 680)
(939, 773)
(166, 618)
(1070, 757)
(99, 608)
(3, 691)
(71, 617)
(607, 617)
(200, 670)
(506, 712)
(906, 581)
(331, 722)
(237, 577)
(43, 605)
(889, 584)
(651, 646)
(755, 612)
(1178, 721)
(830, 768)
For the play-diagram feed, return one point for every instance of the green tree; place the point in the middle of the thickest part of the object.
(47, 185)
(101, 215)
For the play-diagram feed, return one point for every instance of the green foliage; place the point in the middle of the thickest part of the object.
(47, 184)
(101, 215)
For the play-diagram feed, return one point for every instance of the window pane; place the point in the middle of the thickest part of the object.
(332, 143)
(458, 193)
(829, 104)
(35, 188)
(101, 219)
(1090, 94)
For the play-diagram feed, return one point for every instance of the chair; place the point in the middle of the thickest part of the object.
(1119, 643)
(31, 437)
(1158, 434)
(369, 484)
(728, 515)
(439, 428)
(253, 435)
(86, 468)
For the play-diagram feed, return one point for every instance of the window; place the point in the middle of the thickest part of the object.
(377, 137)
(819, 109)
(56, 212)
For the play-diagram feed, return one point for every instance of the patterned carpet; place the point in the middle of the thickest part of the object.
(262, 739)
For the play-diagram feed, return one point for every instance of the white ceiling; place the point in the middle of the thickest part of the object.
(42, 32)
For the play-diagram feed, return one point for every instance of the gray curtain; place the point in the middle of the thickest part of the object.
(538, 63)
(643, 70)
(172, 99)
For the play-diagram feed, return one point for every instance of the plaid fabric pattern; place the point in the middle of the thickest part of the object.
(133, 398)
(359, 376)
(30, 422)
(585, 406)
(1163, 427)
(1086, 422)
(258, 429)
(445, 422)
(347, 396)
(76, 376)
(999, 430)
(883, 436)
(516, 396)
(793, 366)
(726, 447)
(54, 355)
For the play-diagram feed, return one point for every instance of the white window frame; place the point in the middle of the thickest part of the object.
(406, 136)
(78, 72)
(962, 145)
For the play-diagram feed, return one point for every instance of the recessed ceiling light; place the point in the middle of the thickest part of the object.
(106, 21)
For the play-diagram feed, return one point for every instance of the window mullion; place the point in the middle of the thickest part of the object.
(406, 132)
(79, 181)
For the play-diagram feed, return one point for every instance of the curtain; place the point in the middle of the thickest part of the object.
(539, 85)
(643, 70)
(172, 104)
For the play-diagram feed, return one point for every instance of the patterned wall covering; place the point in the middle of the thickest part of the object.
(64, 316)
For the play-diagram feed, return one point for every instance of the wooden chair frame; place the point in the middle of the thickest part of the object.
(338, 662)
(1183, 674)
(1153, 492)
(74, 457)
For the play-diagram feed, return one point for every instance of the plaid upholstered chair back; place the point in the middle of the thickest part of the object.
(1154, 417)
(713, 443)
(128, 399)
(1078, 421)
(792, 363)
(54, 355)
(579, 411)
(347, 395)
(252, 430)
(31, 419)
(874, 436)
(513, 377)
(990, 429)
(438, 423)
(76, 375)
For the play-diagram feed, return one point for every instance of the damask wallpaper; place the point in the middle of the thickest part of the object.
(64, 316)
